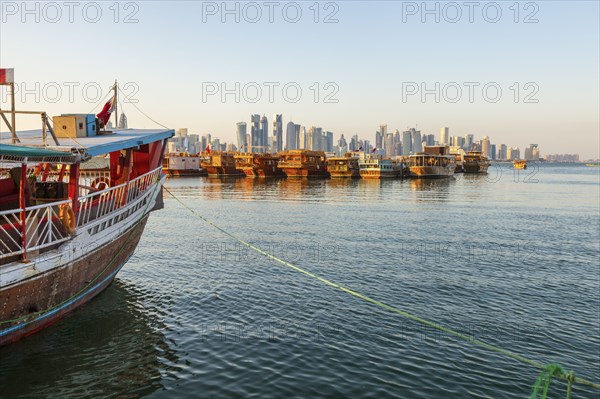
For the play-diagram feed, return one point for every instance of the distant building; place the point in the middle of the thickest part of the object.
(493, 151)
(430, 139)
(468, 144)
(241, 136)
(513, 153)
(502, 152)
(378, 139)
(123, 121)
(444, 136)
(485, 147)
(328, 141)
(562, 157)
(416, 141)
(303, 143)
(406, 142)
(278, 132)
(532, 153)
(264, 127)
(458, 141)
(255, 133)
(342, 145)
(290, 136)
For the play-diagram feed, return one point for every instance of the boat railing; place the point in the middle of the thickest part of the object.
(90, 178)
(42, 228)
(105, 202)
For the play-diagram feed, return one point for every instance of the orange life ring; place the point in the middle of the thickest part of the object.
(67, 217)
(101, 183)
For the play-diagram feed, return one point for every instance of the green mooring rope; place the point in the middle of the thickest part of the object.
(542, 384)
(548, 371)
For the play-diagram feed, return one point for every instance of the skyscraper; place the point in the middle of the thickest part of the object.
(264, 127)
(303, 143)
(468, 142)
(122, 121)
(406, 142)
(290, 136)
(444, 136)
(241, 136)
(416, 141)
(485, 147)
(513, 153)
(342, 145)
(353, 143)
(532, 153)
(255, 132)
(388, 145)
(493, 151)
(278, 132)
(502, 152)
(328, 141)
(383, 130)
(378, 139)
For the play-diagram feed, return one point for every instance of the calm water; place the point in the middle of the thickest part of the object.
(512, 262)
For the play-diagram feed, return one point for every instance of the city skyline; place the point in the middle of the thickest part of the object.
(386, 143)
(347, 87)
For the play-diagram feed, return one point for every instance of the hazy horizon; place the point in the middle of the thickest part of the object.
(371, 61)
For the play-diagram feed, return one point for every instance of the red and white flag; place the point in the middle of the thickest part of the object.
(208, 149)
(7, 75)
(108, 109)
(374, 149)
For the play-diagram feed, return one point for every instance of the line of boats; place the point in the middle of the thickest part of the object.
(433, 162)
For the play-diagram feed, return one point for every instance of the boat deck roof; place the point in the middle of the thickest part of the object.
(117, 139)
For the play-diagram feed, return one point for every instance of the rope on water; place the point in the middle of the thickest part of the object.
(542, 384)
(556, 373)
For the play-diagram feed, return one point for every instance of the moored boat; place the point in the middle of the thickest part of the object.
(520, 164)
(434, 162)
(303, 164)
(343, 167)
(378, 167)
(258, 165)
(66, 230)
(183, 164)
(220, 163)
(475, 162)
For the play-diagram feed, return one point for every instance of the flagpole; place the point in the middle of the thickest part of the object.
(116, 106)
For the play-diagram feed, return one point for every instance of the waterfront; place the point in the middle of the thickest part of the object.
(194, 314)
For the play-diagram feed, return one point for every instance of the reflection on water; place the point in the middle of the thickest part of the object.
(194, 314)
(110, 345)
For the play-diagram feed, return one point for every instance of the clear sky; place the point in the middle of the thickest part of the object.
(375, 57)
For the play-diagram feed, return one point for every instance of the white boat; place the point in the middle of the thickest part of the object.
(378, 167)
(434, 162)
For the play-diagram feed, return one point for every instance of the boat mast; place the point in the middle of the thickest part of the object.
(116, 105)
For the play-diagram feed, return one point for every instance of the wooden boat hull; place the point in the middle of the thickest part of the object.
(475, 167)
(223, 171)
(379, 174)
(186, 172)
(432, 171)
(303, 173)
(349, 174)
(35, 303)
(256, 172)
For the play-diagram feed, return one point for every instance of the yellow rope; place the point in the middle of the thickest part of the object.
(569, 376)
